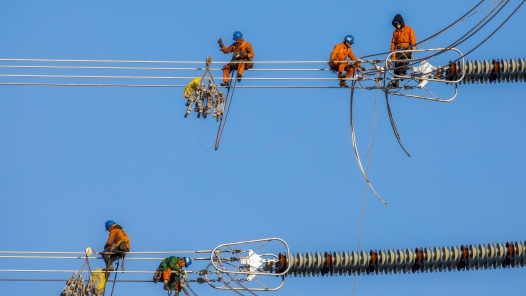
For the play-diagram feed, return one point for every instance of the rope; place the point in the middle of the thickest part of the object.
(115, 278)
(222, 124)
(272, 145)
(371, 139)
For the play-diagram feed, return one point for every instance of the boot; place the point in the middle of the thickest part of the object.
(225, 84)
(343, 84)
(109, 268)
(166, 287)
(239, 76)
(341, 75)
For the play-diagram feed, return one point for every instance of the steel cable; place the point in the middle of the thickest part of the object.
(355, 146)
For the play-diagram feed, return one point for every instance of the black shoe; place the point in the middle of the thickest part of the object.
(341, 75)
(239, 76)
(225, 84)
(343, 84)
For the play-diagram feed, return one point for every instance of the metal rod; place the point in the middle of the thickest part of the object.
(153, 61)
(75, 270)
(154, 252)
(166, 77)
(64, 280)
(69, 257)
(157, 85)
(156, 68)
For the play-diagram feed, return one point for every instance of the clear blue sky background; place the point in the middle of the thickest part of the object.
(72, 158)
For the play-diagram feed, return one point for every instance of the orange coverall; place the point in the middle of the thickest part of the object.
(117, 235)
(403, 38)
(340, 53)
(238, 47)
(118, 243)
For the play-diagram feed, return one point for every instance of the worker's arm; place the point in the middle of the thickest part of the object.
(250, 51)
(227, 49)
(334, 53)
(111, 238)
(412, 37)
(393, 42)
(163, 266)
(353, 57)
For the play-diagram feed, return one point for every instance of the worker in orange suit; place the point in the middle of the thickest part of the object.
(117, 246)
(338, 60)
(242, 55)
(403, 39)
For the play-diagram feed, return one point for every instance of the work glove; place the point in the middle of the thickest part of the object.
(243, 55)
(220, 42)
(414, 47)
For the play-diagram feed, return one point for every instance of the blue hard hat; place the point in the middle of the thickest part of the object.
(187, 261)
(237, 35)
(349, 38)
(109, 223)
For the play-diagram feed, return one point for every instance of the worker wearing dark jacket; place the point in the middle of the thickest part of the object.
(403, 39)
(170, 270)
(242, 55)
(118, 244)
(338, 59)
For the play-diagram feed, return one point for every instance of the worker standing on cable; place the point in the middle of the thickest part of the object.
(170, 270)
(403, 39)
(338, 60)
(118, 244)
(241, 59)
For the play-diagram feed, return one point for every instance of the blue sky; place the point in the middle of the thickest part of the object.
(72, 158)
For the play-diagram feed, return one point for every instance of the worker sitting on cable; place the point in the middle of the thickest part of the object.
(338, 60)
(403, 39)
(170, 271)
(118, 244)
(242, 55)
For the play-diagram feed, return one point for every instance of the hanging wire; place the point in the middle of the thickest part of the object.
(371, 140)
(355, 146)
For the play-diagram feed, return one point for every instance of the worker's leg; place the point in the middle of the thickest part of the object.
(401, 67)
(341, 67)
(226, 73)
(166, 275)
(240, 69)
(106, 257)
(350, 71)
